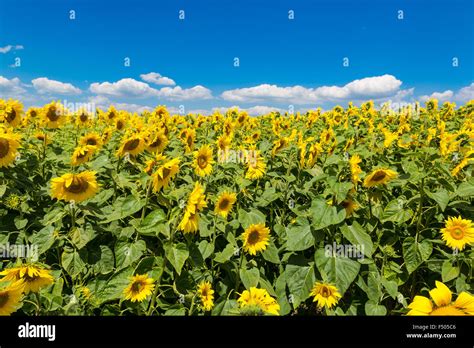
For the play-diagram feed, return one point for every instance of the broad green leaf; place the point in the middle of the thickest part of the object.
(249, 277)
(125, 206)
(225, 254)
(341, 271)
(177, 255)
(271, 253)
(81, 236)
(448, 271)
(300, 280)
(299, 237)
(151, 223)
(466, 189)
(73, 262)
(253, 216)
(358, 237)
(441, 197)
(206, 249)
(43, 239)
(396, 212)
(415, 253)
(324, 215)
(127, 253)
(105, 263)
(373, 308)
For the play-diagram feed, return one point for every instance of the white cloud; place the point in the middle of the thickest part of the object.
(9, 48)
(157, 79)
(178, 93)
(369, 87)
(11, 88)
(441, 96)
(253, 111)
(46, 86)
(130, 88)
(123, 88)
(465, 94)
(102, 102)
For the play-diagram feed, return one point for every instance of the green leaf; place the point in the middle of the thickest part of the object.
(177, 255)
(20, 223)
(127, 253)
(123, 207)
(253, 216)
(339, 270)
(81, 236)
(73, 262)
(206, 249)
(324, 215)
(299, 237)
(395, 212)
(3, 189)
(271, 253)
(249, 277)
(373, 308)
(150, 224)
(43, 239)
(466, 189)
(269, 195)
(358, 237)
(415, 253)
(225, 254)
(448, 271)
(112, 288)
(441, 197)
(105, 263)
(391, 286)
(300, 280)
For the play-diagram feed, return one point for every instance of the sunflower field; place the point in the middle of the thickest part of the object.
(229, 214)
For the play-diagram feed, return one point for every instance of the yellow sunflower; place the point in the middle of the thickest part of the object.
(9, 144)
(107, 134)
(355, 169)
(82, 154)
(132, 144)
(32, 276)
(10, 298)
(206, 295)
(164, 174)
(203, 161)
(379, 177)
(350, 206)
(140, 287)
(458, 232)
(53, 115)
(93, 139)
(326, 295)
(255, 167)
(279, 145)
(189, 223)
(43, 137)
(11, 113)
(158, 143)
(256, 298)
(256, 238)
(83, 119)
(224, 203)
(443, 305)
(74, 187)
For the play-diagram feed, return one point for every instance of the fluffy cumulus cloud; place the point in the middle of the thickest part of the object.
(123, 88)
(157, 79)
(178, 93)
(369, 87)
(9, 48)
(43, 85)
(102, 102)
(441, 96)
(130, 88)
(11, 88)
(462, 95)
(465, 94)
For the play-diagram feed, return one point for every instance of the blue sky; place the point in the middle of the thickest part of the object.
(283, 62)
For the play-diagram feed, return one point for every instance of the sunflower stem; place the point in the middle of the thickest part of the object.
(148, 191)
(38, 300)
(420, 208)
